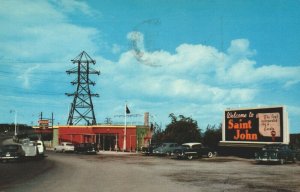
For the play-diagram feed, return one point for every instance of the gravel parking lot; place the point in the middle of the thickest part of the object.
(135, 172)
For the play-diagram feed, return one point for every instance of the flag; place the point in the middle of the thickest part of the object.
(127, 110)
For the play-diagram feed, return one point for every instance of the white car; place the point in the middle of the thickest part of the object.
(29, 147)
(40, 147)
(64, 147)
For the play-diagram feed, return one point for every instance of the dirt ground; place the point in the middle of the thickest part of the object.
(135, 172)
(226, 173)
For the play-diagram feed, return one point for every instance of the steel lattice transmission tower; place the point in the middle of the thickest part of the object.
(82, 108)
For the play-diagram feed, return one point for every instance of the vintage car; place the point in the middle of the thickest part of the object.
(11, 152)
(165, 149)
(280, 153)
(85, 148)
(149, 149)
(193, 150)
(41, 147)
(64, 147)
(29, 147)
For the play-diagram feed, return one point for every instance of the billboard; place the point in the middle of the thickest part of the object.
(43, 123)
(258, 125)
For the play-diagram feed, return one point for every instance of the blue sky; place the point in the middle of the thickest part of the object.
(191, 58)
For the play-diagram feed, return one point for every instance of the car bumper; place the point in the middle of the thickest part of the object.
(68, 150)
(267, 160)
(91, 152)
(9, 157)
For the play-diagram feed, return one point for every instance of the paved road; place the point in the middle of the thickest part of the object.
(136, 173)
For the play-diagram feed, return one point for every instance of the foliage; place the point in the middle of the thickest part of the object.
(212, 136)
(182, 130)
(158, 134)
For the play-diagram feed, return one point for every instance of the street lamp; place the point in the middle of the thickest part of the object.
(15, 111)
(16, 122)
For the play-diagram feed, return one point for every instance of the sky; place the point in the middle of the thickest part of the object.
(187, 57)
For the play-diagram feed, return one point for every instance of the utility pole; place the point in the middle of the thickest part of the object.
(52, 120)
(82, 108)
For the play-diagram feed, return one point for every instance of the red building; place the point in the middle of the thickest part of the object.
(107, 137)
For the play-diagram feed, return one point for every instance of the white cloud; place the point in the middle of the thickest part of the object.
(137, 40)
(75, 6)
(199, 72)
(25, 77)
(240, 48)
(40, 32)
(38, 29)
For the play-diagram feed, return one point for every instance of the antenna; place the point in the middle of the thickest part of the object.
(82, 108)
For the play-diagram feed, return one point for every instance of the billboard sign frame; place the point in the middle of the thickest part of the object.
(260, 125)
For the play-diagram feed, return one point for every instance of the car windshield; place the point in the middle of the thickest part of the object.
(186, 146)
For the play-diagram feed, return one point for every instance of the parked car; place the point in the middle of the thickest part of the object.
(64, 147)
(193, 150)
(165, 149)
(85, 148)
(41, 147)
(11, 152)
(29, 147)
(280, 153)
(148, 150)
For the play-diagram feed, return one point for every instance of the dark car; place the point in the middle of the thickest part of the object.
(165, 149)
(193, 150)
(11, 152)
(280, 153)
(149, 150)
(85, 148)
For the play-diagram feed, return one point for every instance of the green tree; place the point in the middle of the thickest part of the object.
(212, 136)
(158, 134)
(181, 130)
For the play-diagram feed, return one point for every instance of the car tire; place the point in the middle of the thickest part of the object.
(210, 154)
(190, 157)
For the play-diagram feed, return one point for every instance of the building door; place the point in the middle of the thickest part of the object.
(106, 142)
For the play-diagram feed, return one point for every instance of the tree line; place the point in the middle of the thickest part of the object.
(183, 129)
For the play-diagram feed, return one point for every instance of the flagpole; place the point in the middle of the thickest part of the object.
(125, 127)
